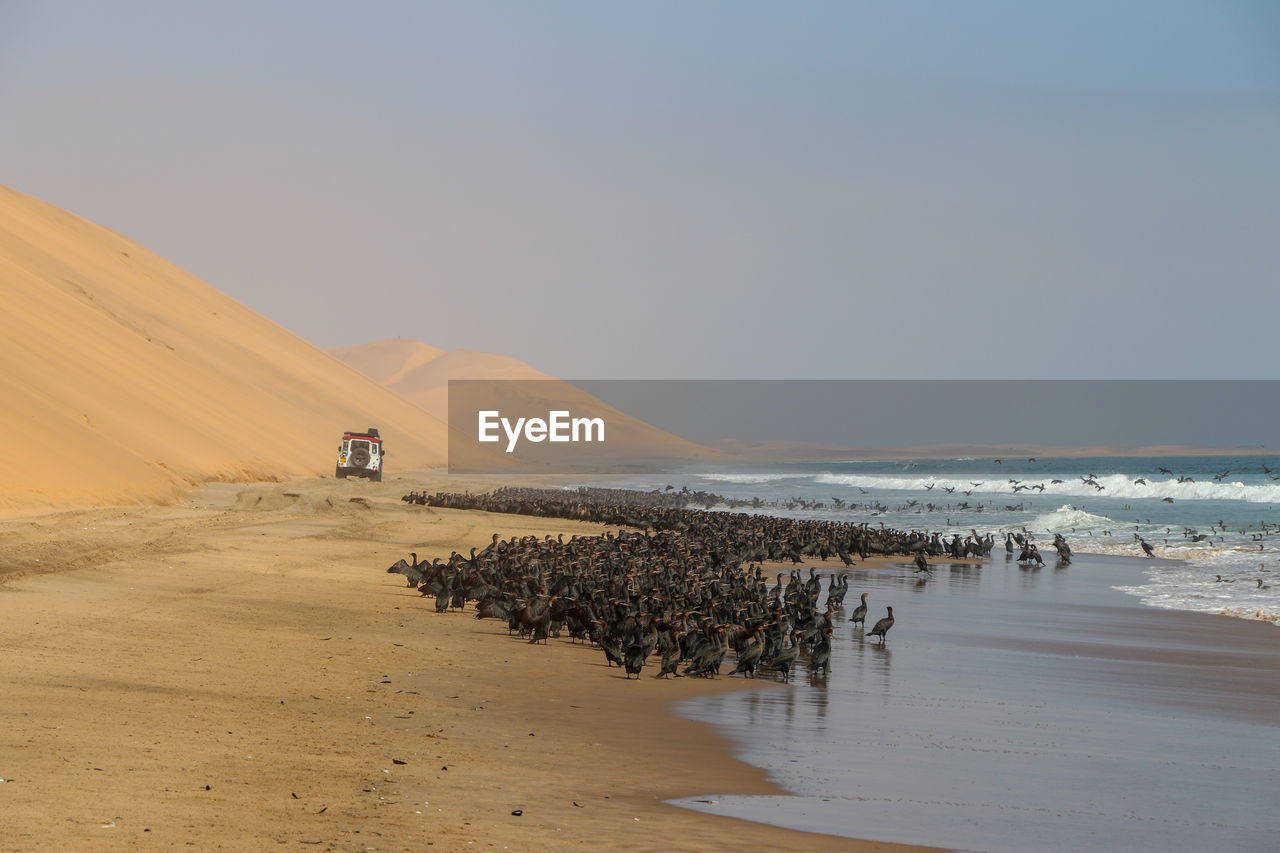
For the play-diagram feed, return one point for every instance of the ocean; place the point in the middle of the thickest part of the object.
(1116, 703)
(1219, 516)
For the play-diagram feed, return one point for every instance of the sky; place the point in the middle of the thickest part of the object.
(931, 189)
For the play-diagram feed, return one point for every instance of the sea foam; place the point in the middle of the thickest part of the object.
(748, 478)
(1112, 486)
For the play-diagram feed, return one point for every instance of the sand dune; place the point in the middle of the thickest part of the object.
(425, 382)
(386, 362)
(125, 379)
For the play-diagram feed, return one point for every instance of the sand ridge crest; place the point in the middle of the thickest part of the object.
(426, 384)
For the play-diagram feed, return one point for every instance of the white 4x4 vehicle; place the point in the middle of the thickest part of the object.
(360, 455)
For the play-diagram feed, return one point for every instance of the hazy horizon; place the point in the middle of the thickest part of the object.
(920, 413)
(743, 191)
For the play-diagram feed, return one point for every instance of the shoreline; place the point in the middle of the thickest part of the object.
(357, 662)
(248, 640)
(1017, 708)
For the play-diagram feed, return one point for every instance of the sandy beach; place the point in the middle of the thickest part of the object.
(201, 646)
(237, 670)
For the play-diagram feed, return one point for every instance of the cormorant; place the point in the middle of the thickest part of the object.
(633, 659)
(860, 612)
(882, 627)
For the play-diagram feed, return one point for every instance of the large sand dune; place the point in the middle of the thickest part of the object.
(125, 379)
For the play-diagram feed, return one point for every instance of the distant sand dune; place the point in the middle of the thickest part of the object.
(425, 382)
(387, 362)
(125, 379)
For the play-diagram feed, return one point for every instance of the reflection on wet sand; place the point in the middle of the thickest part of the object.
(870, 666)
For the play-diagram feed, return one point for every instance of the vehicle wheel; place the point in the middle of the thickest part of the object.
(359, 457)
(376, 476)
(339, 473)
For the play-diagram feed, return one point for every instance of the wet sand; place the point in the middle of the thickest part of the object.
(238, 672)
(1016, 709)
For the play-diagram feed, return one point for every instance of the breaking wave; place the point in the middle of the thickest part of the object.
(749, 478)
(1112, 486)
(1067, 517)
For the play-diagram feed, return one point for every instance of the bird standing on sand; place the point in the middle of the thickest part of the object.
(820, 654)
(860, 612)
(1064, 550)
(612, 653)
(882, 627)
(786, 657)
(633, 658)
(670, 662)
(749, 655)
(412, 572)
(1146, 546)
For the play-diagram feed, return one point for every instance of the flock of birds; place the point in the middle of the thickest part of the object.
(1216, 534)
(679, 585)
(1092, 480)
(1015, 485)
(686, 587)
